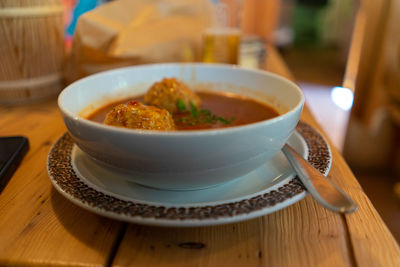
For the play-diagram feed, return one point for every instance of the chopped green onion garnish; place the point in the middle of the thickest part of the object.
(200, 116)
(193, 110)
(225, 121)
(181, 105)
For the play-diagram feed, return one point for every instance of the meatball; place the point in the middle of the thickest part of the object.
(168, 92)
(136, 115)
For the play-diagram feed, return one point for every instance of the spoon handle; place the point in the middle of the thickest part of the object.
(322, 189)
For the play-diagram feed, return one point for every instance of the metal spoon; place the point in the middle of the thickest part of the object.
(323, 190)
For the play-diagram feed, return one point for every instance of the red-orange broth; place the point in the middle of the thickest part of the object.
(239, 110)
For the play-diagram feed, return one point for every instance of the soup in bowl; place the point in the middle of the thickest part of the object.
(219, 123)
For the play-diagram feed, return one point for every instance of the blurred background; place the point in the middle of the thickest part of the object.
(345, 55)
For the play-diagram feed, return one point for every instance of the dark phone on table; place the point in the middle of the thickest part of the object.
(12, 150)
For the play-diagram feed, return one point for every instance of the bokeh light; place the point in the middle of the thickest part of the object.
(342, 97)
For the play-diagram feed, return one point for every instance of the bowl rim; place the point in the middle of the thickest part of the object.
(201, 132)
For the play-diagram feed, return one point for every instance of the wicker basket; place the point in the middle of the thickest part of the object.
(31, 50)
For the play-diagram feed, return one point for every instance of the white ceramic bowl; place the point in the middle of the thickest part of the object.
(181, 160)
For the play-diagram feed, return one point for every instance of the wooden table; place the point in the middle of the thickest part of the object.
(39, 227)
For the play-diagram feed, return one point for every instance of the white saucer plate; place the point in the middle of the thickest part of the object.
(269, 188)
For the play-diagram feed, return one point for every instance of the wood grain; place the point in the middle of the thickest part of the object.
(32, 50)
(37, 225)
(40, 227)
(303, 234)
(370, 241)
(278, 239)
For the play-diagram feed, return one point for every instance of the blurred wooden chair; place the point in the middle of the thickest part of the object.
(373, 72)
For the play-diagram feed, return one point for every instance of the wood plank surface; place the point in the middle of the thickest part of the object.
(303, 234)
(284, 238)
(38, 226)
(370, 241)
